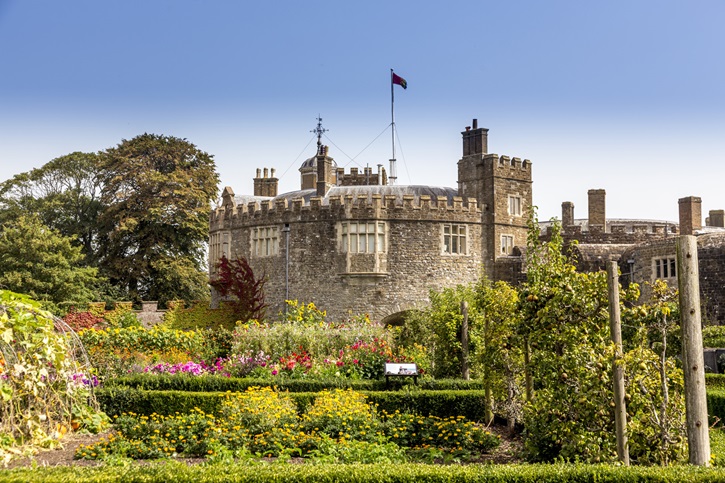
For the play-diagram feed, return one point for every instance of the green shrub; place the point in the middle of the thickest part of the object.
(240, 472)
(713, 336)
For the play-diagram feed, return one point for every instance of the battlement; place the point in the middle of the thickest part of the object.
(375, 205)
(507, 163)
(364, 178)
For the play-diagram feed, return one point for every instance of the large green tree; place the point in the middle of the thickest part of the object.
(64, 193)
(157, 191)
(42, 263)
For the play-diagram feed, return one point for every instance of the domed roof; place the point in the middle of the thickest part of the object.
(312, 162)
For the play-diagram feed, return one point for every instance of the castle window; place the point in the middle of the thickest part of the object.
(265, 242)
(664, 267)
(219, 246)
(515, 205)
(454, 239)
(507, 244)
(362, 236)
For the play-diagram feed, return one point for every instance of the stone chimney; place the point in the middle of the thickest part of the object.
(567, 214)
(690, 215)
(264, 184)
(717, 218)
(325, 178)
(475, 140)
(597, 210)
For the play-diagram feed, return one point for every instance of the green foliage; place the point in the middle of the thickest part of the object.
(157, 191)
(217, 383)
(442, 403)
(259, 409)
(445, 319)
(44, 264)
(118, 351)
(198, 316)
(307, 333)
(342, 415)
(65, 194)
(240, 472)
(41, 383)
(566, 324)
(713, 336)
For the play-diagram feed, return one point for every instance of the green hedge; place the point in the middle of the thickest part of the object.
(115, 401)
(713, 336)
(716, 404)
(381, 473)
(164, 382)
(715, 380)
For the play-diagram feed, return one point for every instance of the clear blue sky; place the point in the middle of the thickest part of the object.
(622, 95)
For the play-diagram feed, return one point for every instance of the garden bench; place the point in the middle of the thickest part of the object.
(397, 369)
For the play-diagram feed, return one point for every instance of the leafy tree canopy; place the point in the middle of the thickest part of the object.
(44, 264)
(65, 195)
(157, 192)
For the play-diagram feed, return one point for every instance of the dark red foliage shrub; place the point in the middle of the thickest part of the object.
(235, 278)
(81, 320)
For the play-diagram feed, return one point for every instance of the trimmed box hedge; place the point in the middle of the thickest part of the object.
(117, 400)
(209, 383)
(381, 473)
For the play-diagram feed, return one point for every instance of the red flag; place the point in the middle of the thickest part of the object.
(400, 81)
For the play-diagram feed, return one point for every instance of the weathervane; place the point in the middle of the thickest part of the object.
(319, 130)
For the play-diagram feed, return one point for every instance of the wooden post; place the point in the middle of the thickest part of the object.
(464, 342)
(615, 328)
(693, 364)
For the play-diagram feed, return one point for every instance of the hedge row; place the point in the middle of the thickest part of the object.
(164, 382)
(716, 404)
(715, 380)
(381, 473)
(118, 400)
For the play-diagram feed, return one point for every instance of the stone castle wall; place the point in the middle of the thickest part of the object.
(380, 284)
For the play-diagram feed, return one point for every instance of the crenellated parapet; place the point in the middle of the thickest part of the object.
(361, 206)
(509, 167)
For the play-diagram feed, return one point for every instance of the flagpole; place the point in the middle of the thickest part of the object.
(392, 177)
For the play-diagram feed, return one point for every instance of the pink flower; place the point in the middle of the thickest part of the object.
(274, 372)
(354, 361)
(339, 363)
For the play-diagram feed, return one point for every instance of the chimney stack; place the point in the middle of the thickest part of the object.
(597, 210)
(690, 215)
(567, 214)
(475, 140)
(717, 218)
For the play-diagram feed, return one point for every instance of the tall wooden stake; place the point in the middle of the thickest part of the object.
(615, 327)
(464, 342)
(693, 364)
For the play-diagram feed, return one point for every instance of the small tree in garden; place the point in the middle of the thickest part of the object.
(235, 278)
(571, 414)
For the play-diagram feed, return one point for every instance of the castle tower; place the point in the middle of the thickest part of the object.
(502, 187)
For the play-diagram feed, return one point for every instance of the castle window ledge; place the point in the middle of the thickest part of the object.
(362, 279)
(365, 274)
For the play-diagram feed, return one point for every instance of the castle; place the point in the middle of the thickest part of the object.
(353, 243)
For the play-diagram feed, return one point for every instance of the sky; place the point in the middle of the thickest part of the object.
(626, 96)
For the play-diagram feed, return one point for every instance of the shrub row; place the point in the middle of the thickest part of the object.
(383, 473)
(209, 383)
(716, 404)
(715, 380)
(117, 400)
